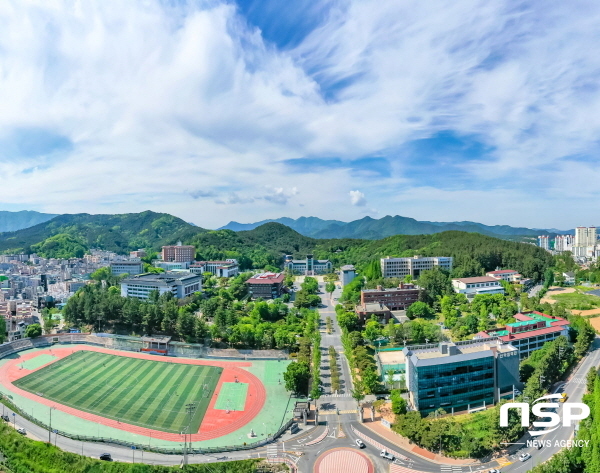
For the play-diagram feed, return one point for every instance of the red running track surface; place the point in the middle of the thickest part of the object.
(216, 423)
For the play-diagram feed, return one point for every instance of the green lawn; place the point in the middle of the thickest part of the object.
(577, 301)
(147, 393)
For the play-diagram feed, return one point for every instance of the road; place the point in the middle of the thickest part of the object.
(347, 422)
(575, 388)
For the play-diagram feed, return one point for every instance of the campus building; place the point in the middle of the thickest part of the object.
(180, 284)
(266, 285)
(530, 332)
(477, 285)
(347, 274)
(308, 266)
(509, 275)
(132, 267)
(395, 298)
(222, 269)
(461, 376)
(400, 267)
(179, 253)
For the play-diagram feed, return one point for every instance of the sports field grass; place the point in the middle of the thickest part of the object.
(147, 393)
(232, 397)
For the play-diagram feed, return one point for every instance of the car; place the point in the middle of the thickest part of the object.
(494, 470)
(539, 446)
(5, 418)
(359, 443)
(105, 457)
(524, 457)
(517, 392)
(381, 398)
(387, 455)
(22, 431)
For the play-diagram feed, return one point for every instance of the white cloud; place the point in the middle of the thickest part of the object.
(357, 198)
(184, 108)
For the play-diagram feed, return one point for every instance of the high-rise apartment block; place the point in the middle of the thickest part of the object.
(544, 242)
(586, 242)
(400, 267)
(563, 243)
(179, 253)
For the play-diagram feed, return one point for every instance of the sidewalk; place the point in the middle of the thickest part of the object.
(403, 443)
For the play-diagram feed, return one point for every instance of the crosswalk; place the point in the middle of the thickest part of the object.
(451, 469)
(272, 451)
(325, 396)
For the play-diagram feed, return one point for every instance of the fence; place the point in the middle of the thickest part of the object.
(8, 349)
(142, 446)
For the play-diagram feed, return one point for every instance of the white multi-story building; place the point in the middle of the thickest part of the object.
(180, 284)
(477, 285)
(308, 266)
(544, 242)
(222, 269)
(509, 275)
(132, 267)
(585, 236)
(400, 267)
(563, 243)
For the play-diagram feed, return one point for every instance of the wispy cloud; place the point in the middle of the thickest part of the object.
(112, 106)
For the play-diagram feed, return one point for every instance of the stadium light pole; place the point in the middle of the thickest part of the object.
(189, 408)
(50, 428)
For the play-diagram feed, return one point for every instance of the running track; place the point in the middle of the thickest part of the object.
(216, 423)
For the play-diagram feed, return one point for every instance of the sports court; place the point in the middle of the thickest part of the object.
(147, 393)
(232, 397)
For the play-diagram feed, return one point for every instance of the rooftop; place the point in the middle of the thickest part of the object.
(347, 267)
(160, 278)
(476, 280)
(266, 278)
(502, 271)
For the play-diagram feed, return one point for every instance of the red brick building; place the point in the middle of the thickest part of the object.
(396, 298)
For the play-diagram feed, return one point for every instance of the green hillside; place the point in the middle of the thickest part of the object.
(71, 235)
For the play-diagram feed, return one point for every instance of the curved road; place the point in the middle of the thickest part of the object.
(305, 456)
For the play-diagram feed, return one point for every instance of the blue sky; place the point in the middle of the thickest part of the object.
(218, 110)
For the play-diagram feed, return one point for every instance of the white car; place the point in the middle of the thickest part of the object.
(388, 455)
(494, 470)
(359, 443)
(524, 457)
(22, 431)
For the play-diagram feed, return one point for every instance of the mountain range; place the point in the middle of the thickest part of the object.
(373, 229)
(67, 236)
(12, 221)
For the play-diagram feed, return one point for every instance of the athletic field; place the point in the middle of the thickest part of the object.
(151, 394)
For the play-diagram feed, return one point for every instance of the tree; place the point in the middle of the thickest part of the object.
(591, 379)
(348, 320)
(419, 309)
(296, 377)
(33, 330)
(329, 287)
(399, 405)
(435, 283)
(2, 329)
(372, 330)
(358, 393)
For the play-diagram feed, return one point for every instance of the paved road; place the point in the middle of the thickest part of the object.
(347, 422)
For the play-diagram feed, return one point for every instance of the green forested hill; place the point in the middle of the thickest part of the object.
(473, 253)
(72, 235)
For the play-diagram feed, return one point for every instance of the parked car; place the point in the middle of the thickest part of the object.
(22, 431)
(494, 470)
(524, 457)
(106, 457)
(5, 418)
(387, 455)
(359, 443)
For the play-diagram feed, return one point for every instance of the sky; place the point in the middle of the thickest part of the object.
(219, 110)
